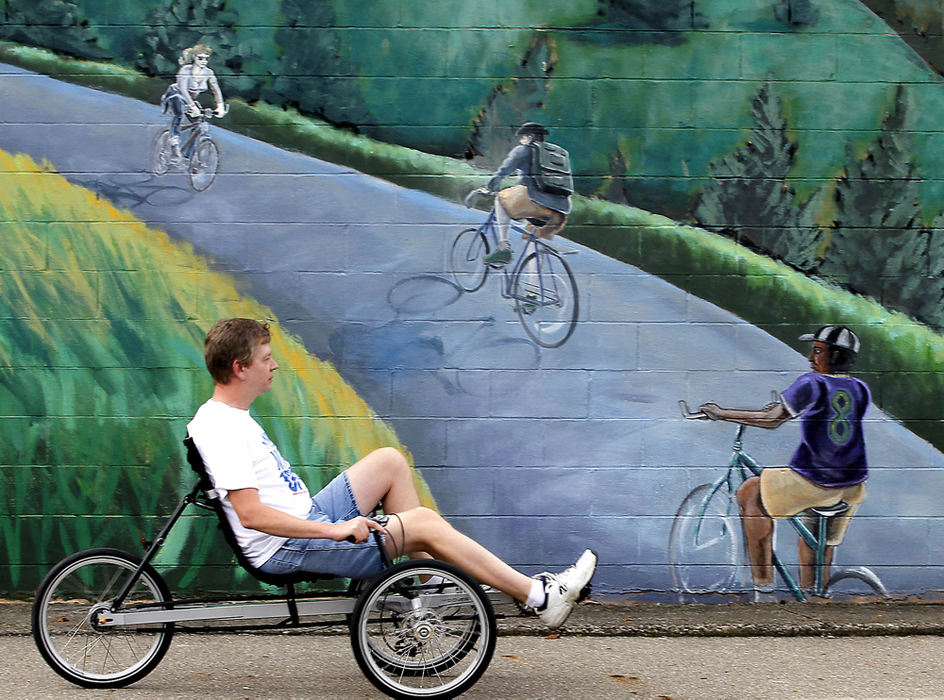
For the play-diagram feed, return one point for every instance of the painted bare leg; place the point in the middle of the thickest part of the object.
(759, 530)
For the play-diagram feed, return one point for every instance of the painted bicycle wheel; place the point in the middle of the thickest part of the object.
(160, 153)
(204, 165)
(546, 298)
(465, 259)
(855, 581)
(705, 542)
(65, 613)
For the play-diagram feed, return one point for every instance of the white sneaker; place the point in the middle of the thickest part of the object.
(564, 589)
(764, 594)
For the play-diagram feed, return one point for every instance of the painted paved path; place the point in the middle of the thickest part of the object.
(588, 451)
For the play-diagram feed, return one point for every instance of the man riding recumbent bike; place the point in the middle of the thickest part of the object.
(421, 628)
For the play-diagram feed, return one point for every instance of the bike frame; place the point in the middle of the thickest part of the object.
(198, 126)
(743, 466)
(289, 607)
(546, 297)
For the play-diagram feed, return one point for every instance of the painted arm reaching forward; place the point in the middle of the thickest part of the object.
(772, 415)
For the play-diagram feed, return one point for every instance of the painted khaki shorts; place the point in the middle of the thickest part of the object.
(784, 493)
(518, 204)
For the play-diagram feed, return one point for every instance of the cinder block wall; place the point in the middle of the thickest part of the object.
(804, 132)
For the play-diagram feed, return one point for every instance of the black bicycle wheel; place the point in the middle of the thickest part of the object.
(64, 627)
(160, 153)
(465, 259)
(416, 640)
(704, 542)
(204, 165)
(546, 298)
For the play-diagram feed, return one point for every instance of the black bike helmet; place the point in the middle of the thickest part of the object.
(532, 129)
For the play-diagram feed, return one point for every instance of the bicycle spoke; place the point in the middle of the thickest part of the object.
(704, 542)
(65, 631)
(546, 298)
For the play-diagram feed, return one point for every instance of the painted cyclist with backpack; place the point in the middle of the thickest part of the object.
(542, 193)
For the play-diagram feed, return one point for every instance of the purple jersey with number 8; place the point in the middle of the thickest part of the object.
(832, 452)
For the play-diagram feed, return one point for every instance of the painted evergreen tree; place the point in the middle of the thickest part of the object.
(310, 73)
(928, 304)
(615, 187)
(512, 103)
(878, 246)
(56, 24)
(655, 15)
(796, 13)
(185, 23)
(749, 197)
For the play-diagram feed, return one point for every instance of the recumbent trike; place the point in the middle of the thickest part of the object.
(104, 618)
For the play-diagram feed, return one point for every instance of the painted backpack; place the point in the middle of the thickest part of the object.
(550, 167)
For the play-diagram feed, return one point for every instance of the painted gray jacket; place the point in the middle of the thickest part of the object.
(519, 159)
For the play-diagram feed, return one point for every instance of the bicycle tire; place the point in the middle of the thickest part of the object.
(704, 542)
(465, 259)
(64, 630)
(858, 573)
(411, 648)
(203, 165)
(159, 156)
(552, 318)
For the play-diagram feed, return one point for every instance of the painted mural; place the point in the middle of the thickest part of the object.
(730, 176)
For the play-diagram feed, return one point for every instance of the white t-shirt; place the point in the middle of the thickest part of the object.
(238, 455)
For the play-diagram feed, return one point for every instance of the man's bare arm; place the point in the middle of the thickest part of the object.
(256, 515)
(773, 415)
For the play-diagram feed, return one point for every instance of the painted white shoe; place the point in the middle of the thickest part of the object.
(764, 594)
(563, 590)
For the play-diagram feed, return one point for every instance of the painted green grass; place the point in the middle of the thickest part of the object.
(900, 358)
(101, 335)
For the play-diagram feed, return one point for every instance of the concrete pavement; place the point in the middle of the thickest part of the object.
(827, 618)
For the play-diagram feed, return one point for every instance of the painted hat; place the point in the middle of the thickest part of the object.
(838, 336)
(532, 128)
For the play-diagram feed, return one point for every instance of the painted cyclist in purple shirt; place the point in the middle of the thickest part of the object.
(828, 466)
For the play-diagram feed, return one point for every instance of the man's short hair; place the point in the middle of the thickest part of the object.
(232, 340)
(841, 359)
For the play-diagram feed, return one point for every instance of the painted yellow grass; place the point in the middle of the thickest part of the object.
(69, 255)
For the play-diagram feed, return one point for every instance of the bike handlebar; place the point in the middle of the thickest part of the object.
(379, 519)
(210, 112)
(691, 415)
(477, 190)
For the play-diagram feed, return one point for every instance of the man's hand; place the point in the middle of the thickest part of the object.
(220, 110)
(193, 110)
(712, 410)
(469, 197)
(357, 529)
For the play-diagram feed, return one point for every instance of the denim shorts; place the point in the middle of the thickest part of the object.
(333, 504)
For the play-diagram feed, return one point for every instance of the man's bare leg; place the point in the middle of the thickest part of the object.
(759, 530)
(807, 558)
(425, 531)
(384, 476)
